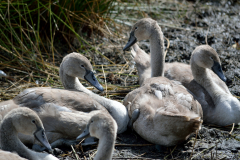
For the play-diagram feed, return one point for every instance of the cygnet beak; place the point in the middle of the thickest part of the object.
(84, 134)
(131, 41)
(218, 70)
(42, 138)
(90, 77)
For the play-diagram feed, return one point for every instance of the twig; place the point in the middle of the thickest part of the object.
(14, 84)
(75, 153)
(81, 147)
(107, 28)
(206, 36)
(202, 152)
(46, 81)
(194, 143)
(232, 128)
(171, 152)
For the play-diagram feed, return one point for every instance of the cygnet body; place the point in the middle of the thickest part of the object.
(161, 111)
(74, 97)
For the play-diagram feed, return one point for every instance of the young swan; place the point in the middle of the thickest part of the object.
(175, 71)
(204, 71)
(103, 127)
(25, 121)
(162, 111)
(74, 65)
(60, 127)
(225, 108)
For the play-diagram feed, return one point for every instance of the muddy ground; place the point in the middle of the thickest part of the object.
(216, 23)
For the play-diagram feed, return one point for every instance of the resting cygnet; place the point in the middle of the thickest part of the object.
(225, 108)
(162, 111)
(103, 127)
(23, 120)
(203, 77)
(74, 65)
(175, 71)
(61, 128)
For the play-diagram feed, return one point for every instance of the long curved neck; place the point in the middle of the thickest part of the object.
(157, 52)
(203, 77)
(116, 109)
(70, 82)
(105, 147)
(10, 142)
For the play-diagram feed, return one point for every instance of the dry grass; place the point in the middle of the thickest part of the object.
(38, 35)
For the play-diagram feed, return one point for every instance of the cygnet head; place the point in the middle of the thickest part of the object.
(77, 65)
(100, 125)
(27, 122)
(141, 30)
(206, 57)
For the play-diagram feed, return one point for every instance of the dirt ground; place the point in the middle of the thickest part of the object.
(216, 23)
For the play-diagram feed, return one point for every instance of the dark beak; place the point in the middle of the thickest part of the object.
(84, 134)
(42, 138)
(218, 70)
(90, 77)
(131, 41)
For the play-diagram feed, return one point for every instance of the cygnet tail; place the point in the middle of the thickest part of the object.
(181, 125)
(188, 125)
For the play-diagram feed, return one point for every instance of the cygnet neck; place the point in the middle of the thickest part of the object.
(10, 141)
(203, 77)
(157, 51)
(105, 147)
(116, 109)
(70, 82)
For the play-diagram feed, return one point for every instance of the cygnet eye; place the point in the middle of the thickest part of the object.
(211, 58)
(91, 121)
(33, 121)
(82, 66)
(136, 28)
